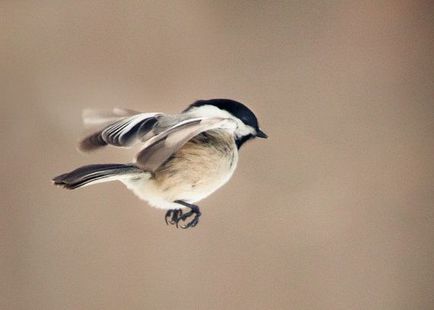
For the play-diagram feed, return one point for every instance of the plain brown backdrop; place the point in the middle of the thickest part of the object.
(333, 211)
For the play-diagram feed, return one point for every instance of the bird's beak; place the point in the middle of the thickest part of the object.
(261, 134)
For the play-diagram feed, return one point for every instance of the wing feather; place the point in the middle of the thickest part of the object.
(159, 148)
(122, 133)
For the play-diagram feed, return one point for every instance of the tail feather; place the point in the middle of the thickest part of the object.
(92, 173)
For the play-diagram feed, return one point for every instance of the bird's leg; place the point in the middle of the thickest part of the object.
(174, 215)
(194, 210)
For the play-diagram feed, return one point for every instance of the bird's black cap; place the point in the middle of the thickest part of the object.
(236, 108)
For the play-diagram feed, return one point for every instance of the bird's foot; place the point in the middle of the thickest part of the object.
(178, 216)
(187, 215)
(172, 216)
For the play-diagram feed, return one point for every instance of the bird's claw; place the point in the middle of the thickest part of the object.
(175, 216)
(172, 216)
(192, 223)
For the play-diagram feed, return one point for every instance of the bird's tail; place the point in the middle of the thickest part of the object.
(91, 174)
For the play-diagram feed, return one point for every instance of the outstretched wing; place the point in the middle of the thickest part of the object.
(124, 132)
(161, 134)
(160, 147)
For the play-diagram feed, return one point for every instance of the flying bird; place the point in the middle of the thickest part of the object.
(184, 157)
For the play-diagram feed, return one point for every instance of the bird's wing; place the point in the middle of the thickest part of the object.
(161, 134)
(161, 146)
(125, 131)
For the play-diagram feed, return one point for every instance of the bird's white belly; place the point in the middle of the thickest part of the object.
(157, 196)
(192, 176)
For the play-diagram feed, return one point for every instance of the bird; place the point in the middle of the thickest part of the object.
(183, 157)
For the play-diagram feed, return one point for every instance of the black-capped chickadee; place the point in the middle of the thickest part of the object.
(184, 158)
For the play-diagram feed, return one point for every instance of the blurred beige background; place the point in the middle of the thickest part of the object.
(334, 211)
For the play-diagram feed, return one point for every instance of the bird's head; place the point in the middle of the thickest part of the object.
(247, 126)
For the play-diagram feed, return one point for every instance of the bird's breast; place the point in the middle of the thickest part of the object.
(199, 168)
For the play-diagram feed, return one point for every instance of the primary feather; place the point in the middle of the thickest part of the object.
(122, 133)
